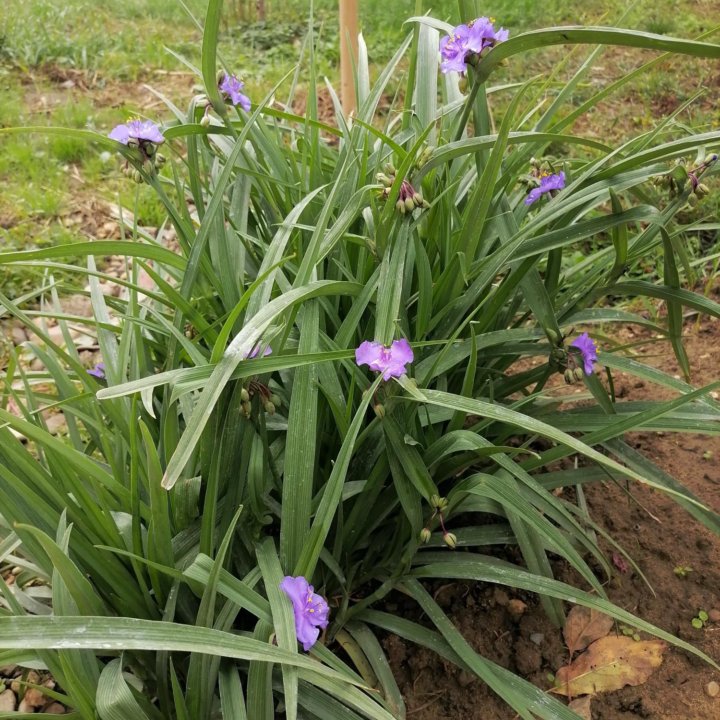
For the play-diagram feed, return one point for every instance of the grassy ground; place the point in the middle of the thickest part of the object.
(88, 63)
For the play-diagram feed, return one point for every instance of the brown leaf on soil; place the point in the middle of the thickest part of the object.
(583, 626)
(609, 664)
(581, 706)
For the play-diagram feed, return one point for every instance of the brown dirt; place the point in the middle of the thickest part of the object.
(659, 536)
(52, 85)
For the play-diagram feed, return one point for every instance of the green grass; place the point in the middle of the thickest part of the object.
(109, 50)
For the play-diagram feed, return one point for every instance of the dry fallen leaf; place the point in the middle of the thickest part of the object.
(609, 664)
(581, 706)
(583, 626)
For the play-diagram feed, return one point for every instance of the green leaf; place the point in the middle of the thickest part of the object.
(239, 349)
(114, 699)
(332, 492)
(283, 618)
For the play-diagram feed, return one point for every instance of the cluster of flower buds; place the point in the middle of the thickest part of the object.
(269, 401)
(573, 375)
(681, 180)
(408, 198)
(152, 161)
(439, 505)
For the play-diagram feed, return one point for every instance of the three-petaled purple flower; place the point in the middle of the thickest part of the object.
(98, 371)
(311, 610)
(139, 130)
(390, 361)
(230, 86)
(548, 183)
(267, 350)
(588, 350)
(467, 40)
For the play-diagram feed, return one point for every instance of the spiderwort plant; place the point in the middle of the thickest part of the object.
(310, 610)
(588, 351)
(231, 89)
(98, 371)
(390, 361)
(549, 183)
(145, 136)
(188, 506)
(466, 43)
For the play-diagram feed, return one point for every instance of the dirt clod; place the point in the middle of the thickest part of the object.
(712, 689)
(516, 608)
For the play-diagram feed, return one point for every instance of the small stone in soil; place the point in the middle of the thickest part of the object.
(8, 701)
(537, 638)
(55, 709)
(714, 615)
(465, 679)
(712, 689)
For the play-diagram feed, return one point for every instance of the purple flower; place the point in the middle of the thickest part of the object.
(467, 40)
(453, 49)
(137, 130)
(390, 361)
(256, 351)
(310, 610)
(588, 350)
(98, 371)
(231, 87)
(548, 183)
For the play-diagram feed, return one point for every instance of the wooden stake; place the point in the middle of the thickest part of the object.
(348, 53)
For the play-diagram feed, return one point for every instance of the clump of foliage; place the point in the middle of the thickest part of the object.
(320, 387)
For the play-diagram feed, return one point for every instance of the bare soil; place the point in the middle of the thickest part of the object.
(657, 533)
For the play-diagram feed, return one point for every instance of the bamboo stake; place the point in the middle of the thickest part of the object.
(348, 53)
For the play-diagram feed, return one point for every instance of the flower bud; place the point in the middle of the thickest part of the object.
(409, 204)
(205, 120)
(439, 503)
(276, 400)
(400, 207)
(425, 535)
(384, 179)
(137, 176)
(579, 373)
(269, 408)
(417, 199)
(569, 376)
(450, 539)
(244, 395)
(692, 200)
(133, 142)
(425, 156)
(245, 409)
(702, 190)
(379, 409)
(160, 160)
(149, 148)
(389, 168)
(552, 335)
